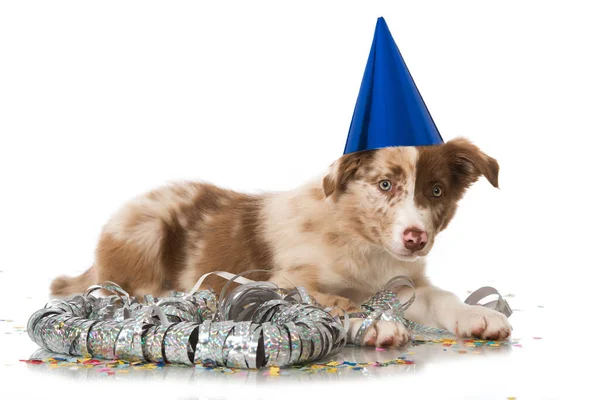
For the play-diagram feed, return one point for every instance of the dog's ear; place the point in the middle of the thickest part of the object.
(467, 163)
(341, 172)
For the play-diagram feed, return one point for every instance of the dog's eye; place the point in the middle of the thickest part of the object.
(385, 185)
(437, 191)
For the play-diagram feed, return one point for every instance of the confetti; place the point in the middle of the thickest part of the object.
(109, 368)
(463, 346)
(34, 361)
(537, 338)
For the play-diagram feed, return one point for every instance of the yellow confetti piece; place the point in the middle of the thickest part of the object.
(333, 363)
(331, 369)
(274, 371)
(512, 398)
(411, 352)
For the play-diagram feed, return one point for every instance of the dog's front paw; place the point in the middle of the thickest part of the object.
(382, 334)
(482, 323)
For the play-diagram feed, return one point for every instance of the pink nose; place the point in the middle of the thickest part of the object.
(414, 239)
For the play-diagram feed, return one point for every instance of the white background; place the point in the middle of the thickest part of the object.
(100, 101)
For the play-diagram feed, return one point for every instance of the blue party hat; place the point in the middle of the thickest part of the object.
(389, 110)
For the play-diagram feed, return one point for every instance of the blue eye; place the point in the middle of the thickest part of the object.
(385, 185)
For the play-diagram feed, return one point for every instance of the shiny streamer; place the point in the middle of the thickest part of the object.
(500, 304)
(256, 324)
(386, 306)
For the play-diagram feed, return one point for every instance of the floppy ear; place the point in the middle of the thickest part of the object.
(341, 172)
(468, 163)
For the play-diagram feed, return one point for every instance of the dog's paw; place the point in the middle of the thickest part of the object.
(482, 323)
(382, 334)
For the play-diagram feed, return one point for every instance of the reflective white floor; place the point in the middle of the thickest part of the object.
(521, 369)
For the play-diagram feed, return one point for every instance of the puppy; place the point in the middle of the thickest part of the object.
(373, 216)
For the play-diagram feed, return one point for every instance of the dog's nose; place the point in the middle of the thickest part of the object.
(414, 239)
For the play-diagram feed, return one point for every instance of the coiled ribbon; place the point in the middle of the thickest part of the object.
(256, 324)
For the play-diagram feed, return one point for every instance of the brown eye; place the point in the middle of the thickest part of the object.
(385, 185)
(437, 191)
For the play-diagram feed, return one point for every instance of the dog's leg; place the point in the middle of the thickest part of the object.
(380, 334)
(442, 309)
(328, 300)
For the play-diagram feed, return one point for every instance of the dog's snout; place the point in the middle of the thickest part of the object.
(414, 239)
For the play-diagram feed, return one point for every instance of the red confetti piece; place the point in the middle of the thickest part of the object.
(32, 361)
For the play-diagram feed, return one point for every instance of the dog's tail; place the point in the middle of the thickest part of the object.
(66, 285)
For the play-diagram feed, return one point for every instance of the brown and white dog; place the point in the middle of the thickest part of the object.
(374, 215)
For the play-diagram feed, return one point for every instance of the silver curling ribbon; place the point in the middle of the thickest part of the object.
(500, 304)
(178, 346)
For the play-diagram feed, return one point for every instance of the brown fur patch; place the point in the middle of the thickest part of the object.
(129, 266)
(308, 226)
(345, 169)
(331, 237)
(64, 285)
(454, 166)
(153, 260)
(227, 250)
